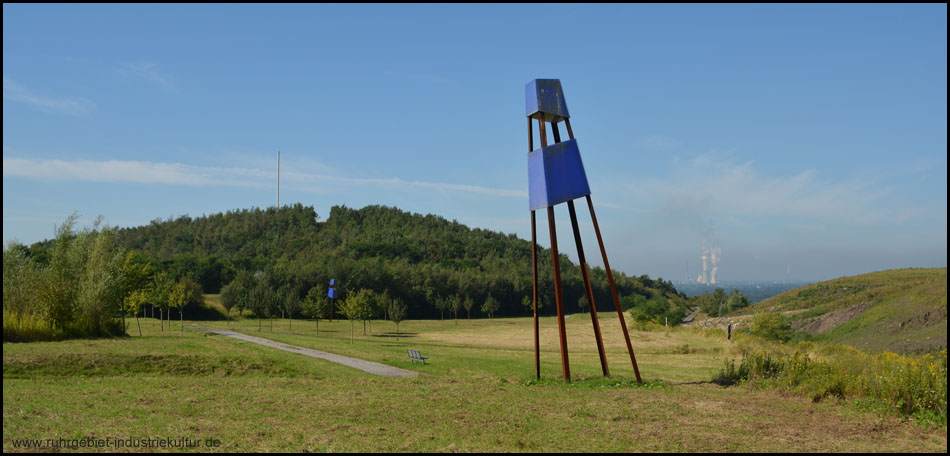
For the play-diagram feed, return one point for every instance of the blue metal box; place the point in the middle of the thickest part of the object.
(331, 293)
(555, 175)
(545, 95)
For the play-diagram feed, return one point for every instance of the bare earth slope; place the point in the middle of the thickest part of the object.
(899, 310)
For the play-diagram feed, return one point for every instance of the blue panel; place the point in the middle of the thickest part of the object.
(555, 175)
(545, 95)
(332, 281)
(331, 293)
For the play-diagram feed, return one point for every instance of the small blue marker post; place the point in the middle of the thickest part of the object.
(556, 175)
(331, 293)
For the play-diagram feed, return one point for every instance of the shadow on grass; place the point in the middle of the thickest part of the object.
(598, 383)
(393, 335)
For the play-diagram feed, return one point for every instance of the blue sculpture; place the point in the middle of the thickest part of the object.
(556, 175)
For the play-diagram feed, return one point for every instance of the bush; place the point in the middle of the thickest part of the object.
(771, 326)
(909, 385)
(77, 294)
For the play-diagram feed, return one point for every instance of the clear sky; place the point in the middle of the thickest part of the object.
(805, 142)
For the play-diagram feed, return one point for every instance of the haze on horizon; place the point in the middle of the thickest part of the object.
(806, 142)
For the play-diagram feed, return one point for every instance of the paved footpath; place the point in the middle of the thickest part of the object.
(361, 364)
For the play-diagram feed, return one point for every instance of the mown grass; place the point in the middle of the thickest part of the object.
(478, 393)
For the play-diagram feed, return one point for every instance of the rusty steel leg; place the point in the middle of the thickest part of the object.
(542, 132)
(589, 291)
(613, 289)
(565, 365)
(534, 282)
(530, 136)
(534, 273)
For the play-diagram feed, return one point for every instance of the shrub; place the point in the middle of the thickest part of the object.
(909, 385)
(77, 294)
(771, 326)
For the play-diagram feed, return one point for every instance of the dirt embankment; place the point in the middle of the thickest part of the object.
(737, 321)
(831, 320)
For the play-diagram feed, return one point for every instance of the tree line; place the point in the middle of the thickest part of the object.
(268, 261)
(85, 285)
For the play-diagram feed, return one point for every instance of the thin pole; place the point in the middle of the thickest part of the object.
(541, 131)
(554, 129)
(565, 365)
(588, 290)
(278, 180)
(534, 273)
(534, 283)
(613, 289)
(530, 136)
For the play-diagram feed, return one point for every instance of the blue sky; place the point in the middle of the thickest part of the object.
(804, 142)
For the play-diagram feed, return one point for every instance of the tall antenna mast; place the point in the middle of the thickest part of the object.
(278, 180)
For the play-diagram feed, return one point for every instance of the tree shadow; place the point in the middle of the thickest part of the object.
(393, 335)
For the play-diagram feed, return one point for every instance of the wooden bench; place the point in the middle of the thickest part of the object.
(415, 356)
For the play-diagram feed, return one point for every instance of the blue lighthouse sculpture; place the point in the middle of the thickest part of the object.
(556, 175)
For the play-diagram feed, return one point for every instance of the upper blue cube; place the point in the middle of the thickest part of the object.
(545, 96)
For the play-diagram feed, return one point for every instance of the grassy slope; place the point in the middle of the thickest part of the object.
(915, 297)
(476, 395)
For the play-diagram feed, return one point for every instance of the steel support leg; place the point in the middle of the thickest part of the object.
(559, 300)
(534, 283)
(613, 289)
(589, 291)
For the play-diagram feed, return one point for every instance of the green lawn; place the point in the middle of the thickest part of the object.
(476, 394)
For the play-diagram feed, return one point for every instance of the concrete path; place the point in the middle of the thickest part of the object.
(361, 364)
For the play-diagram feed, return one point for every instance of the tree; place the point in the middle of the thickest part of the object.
(736, 300)
(383, 303)
(162, 286)
(582, 303)
(456, 304)
(316, 305)
(354, 307)
(397, 312)
(442, 304)
(194, 298)
(137, 271)
(468, 303)
(291, 303)
(231, 296)
(176, 299)
(258, 301)
(490, 307)
(133, 304)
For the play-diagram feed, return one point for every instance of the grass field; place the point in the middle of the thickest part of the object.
(476, 394)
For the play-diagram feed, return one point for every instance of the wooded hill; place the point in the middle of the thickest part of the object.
(421, 259)
(898, 310)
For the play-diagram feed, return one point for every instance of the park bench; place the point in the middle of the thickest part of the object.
(415, 356)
